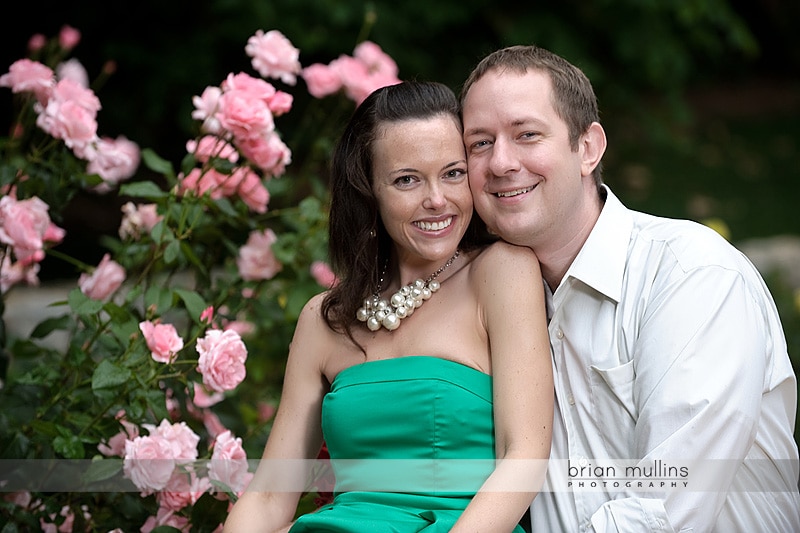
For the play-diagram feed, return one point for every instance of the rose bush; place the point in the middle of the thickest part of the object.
(175, 341)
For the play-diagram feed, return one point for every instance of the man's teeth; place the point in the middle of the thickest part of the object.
(515, 192)
(434, 226)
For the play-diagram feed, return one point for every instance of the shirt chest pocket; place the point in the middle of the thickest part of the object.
(612, 399)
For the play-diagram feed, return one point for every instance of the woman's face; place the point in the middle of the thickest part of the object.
(420, 181)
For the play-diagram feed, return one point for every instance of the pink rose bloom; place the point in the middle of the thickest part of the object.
(323, 274)
(321, 80)
(24, 225)
(253, 193)
(162, 340)
(267, 152)
(68, 37)
(104, 281)
(182, 440)
(36, 42)
(274, 56)
(166, 517)
(212, 423)
(222, 359)
(377, 61)
(148, 462)
(207, 315)
(280, 103)
(203, 181)
(20, 498)
(29, 76)
(183, 489)
(265, 411)
(115, 160)
(256, 260)
(70, 114)
(138, 219)
(12, 273)
(244, 116)
(229, 462)
(66, 525)
(116, 444)
(210, 146)
(206, 106)
(202, 398)
(72, 69)
(242, 327)
(249, 87)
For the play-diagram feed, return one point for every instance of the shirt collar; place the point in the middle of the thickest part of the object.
(601, 262)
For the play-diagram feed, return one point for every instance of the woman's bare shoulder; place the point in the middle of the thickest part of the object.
(501, 257)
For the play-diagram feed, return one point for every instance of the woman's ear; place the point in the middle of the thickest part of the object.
(592, 146)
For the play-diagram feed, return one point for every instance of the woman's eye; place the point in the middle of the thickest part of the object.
(455, 173)
(404, 181)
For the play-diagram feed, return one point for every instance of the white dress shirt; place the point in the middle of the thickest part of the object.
(668, 352)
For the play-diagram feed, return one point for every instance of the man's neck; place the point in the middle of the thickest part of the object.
(556, 259)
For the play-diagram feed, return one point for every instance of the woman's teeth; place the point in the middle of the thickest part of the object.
(434, 226)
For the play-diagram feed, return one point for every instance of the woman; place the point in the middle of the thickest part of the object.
(445, 374)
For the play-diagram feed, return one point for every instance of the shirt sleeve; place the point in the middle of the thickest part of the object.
(700, 362)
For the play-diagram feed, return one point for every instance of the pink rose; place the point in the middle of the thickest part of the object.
(256, 260)
(222, 358)
(68, 37)
(182, 489)
(377, 61)
(212, 423)
(268, 152)
(280, 103)
(274, 56)
(210, 146)
(323, 274)
(321, 80)
(207, 315)
(73, 69)
(12, 273)
(138, 219)
(116, 444)
(25, 225)
(114, 160)
(229, 462)
(244, 117)
(70, 114)
(182, 440)
(201, 397)
(206, 106)
(162, 340)
(36, 42)
(26, 75)
(166, 517)
(253, 192)
(148, 462)
(104, 281)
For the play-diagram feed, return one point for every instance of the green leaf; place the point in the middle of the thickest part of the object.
(107, 374)
(102, 469)
(172, 252)
(155, 162)
(195, 304)
(69, 446)
(82, 304)
(143, 189)
(208, 513)
(47, 326)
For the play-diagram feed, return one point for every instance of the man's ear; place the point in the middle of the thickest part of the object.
(592, 147)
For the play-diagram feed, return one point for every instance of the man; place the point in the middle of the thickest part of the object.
(676, 398)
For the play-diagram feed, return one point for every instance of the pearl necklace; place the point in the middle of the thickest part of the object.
(378, 311)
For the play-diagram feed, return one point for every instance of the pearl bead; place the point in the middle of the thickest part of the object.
(391, 322)
(426, 293)
(398, 299)
(362, 315)
(434, 285)
(401, 311)
(373, 324)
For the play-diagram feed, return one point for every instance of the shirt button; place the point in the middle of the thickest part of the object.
(559, 333)
(571, 399)
(583, 461)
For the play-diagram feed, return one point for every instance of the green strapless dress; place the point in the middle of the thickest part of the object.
(411, 441)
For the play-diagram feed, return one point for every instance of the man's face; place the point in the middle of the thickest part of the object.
(525, 178)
